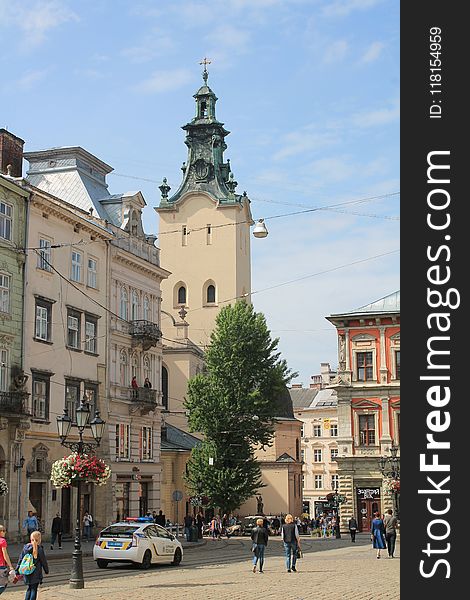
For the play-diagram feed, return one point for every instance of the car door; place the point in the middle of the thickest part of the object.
(167, 541)
(156, 543)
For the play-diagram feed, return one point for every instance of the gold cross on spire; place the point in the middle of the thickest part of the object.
(205, 61)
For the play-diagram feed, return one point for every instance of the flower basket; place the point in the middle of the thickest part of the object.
(71, 469)
(3, 487)
(392, 486)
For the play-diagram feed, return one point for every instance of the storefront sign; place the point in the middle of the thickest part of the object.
(368, 493)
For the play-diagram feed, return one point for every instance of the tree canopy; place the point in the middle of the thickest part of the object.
(234, 403)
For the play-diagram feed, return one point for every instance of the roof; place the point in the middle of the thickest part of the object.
(310, 398)
(284, 408)
(386, 305)
(302, 397)
(177, 439)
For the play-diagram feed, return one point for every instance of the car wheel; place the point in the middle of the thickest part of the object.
(102, 564)
(146, 560)
(177, 557)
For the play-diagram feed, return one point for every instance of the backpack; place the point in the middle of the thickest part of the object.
(27, 565)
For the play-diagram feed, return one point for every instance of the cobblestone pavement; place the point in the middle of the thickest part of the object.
(327, 571)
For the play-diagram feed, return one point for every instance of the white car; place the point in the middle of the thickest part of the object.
(138, 540)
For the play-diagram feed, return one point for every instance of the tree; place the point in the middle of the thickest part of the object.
(234, 404)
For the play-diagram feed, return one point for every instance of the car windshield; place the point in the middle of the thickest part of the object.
(119, 531)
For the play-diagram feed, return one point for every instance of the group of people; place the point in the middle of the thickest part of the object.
(8, 573)
(290, 536)
(32, 523)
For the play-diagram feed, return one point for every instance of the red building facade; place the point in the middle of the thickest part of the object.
(368, 388)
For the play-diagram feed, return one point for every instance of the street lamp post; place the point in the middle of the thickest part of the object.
(390, 467)
(64, 424)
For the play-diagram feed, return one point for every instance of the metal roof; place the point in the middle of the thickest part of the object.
(386, 305)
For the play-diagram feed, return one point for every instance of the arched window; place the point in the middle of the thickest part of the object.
(147, 368)
(124, 302)
(210, 293)
(135, 367)
(124, 368)
(135, 306)
(182, 295)
(165, 387)
(147, 315)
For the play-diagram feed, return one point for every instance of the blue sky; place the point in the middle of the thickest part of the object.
(309, 90)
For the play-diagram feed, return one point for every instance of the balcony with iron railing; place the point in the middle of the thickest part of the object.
(15, 403)
(143, 400)
(146, 333)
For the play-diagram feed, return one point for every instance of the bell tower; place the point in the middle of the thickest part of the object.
(204, 227)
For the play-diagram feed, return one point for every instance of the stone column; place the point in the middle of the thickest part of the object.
(134, 499)
(386, 438)
(383, 357)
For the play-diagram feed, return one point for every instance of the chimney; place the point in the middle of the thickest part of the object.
(11, 154)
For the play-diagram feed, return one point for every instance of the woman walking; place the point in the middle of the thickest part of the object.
(39, 557)
(291, 538)
(377, 534)
(259, 536)
(5, 562)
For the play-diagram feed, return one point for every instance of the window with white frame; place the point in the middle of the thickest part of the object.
(146, 443)
(123, 447)
(91, 325)
(135, 306)
(123, 303)
(92, 273)
(124, 368)
(6, 219)
(317, 455)
(334, 482)
(91, 395)
(334, 430)
(317, 431)
(302, 430)
(73, 329)
(44, 254)
(318, 482)
(40, 393)
(367, 430)
(333, 453)
(4, 368)
(76, 270)
(4, 293)
(147, 312)
(43, 320)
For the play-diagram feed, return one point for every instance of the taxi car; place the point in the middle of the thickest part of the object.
(136, 540)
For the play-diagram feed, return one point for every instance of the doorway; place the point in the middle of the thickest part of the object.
(65, 509)
(368, 502)
(36, 495)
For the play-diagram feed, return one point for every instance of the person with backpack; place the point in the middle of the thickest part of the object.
(31, 563)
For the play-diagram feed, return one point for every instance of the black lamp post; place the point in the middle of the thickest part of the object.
(64, 424)
(390, 467)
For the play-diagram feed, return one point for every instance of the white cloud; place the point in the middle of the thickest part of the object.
(36, 20)
(372, 53)
(164, 81)
(152, 46)
(373, 118)
(336, 51)
(30, 79)
(342, 8)
(304, 140)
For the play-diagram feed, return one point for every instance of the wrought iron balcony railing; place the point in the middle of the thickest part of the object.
(145, 332)
(15, 403)
(144, 395)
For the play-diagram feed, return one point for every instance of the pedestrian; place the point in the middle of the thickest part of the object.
(154, 515)
(259, 536)
(5, 562)
(291, 538)
(188, 523)
(352, 525)
(31, 524)
(377, 533)
(34, 579)
(390, 524)
(56, 531)
(324, 526)
(199, 524)
(134, 383)
(160, 519)
(87, 524)
(213, 528)
(147, 383)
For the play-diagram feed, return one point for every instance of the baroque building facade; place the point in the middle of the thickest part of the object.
(368, 392)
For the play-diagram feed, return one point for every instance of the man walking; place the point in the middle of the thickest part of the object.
(160, 519)
(56, 531)
(352, 525)
(391, 524)
(31, 523)
(291, 538)
(188, 523)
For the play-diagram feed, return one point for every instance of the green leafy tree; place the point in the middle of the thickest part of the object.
(234, 404)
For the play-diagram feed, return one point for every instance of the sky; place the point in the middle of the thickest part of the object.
(309, 90)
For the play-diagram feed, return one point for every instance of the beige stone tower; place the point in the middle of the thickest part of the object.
(204, 230)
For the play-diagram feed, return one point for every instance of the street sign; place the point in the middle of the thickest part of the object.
(177, 495)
